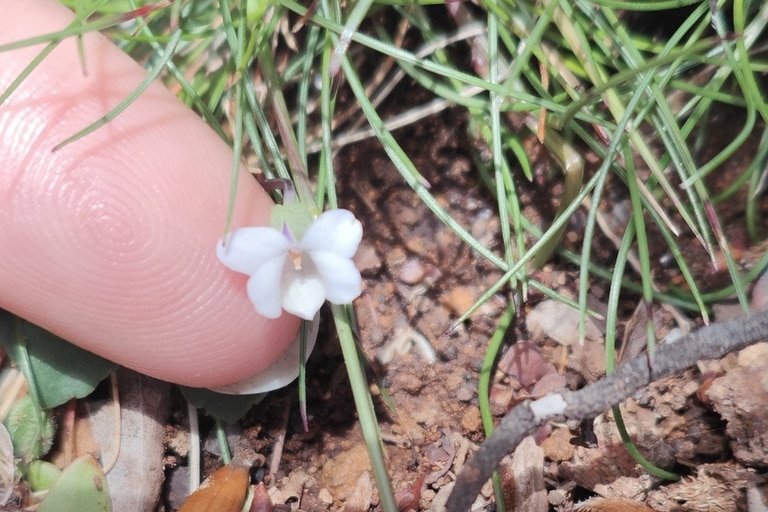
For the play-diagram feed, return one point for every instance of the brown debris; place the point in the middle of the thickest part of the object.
(714, 488)
(741, 398)
(526, 477)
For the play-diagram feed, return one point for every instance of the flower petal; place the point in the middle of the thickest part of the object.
(247, 249)
(303, 290)
(340, 276)
(264, 288)
(280, 373)
(337, 231)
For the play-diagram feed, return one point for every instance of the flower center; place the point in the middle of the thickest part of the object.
(296, 258)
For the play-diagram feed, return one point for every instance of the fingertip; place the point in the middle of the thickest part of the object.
(110, 241)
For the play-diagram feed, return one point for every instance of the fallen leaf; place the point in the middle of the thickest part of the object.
(440, 456)
(292, 488)
(524, 362)
(138, 472)
(741, 398)
(527, 478)
(560, 322)
(713, 487)
(224, 491)
(611, 505)
(635, 338)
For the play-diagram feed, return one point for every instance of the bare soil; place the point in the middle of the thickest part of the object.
(708, 424)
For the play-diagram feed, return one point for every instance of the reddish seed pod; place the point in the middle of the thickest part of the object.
(261, 500)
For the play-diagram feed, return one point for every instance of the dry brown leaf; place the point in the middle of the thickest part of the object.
(526, 475)
(611, 505)
(135, 464)
(524, 362)
(224, 491)
(740, 397)
(560, 322)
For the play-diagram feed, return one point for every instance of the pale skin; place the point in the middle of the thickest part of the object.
(110, 241)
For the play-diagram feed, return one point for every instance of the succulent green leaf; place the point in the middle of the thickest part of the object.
(41, 475)
(31, 429)
(82, 487)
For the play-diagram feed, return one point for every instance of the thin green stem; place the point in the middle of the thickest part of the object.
(484, 386)
(364, 406)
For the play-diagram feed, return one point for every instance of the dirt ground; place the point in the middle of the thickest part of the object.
(709, 424)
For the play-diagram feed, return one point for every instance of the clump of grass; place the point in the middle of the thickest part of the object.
(580, 75)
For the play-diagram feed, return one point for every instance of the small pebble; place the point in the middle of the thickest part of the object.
(340, 473)
(325, 496)
(558, 447)
(409, 382)
(460, 299)
(412, 271)
(448, 352)
(367, 260)
(395, 257)
(471, 421)
(464, 394)
(501, 397)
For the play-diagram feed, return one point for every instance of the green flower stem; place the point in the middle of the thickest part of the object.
(364, 406)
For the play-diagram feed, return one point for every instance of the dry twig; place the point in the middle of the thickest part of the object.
(711, 342)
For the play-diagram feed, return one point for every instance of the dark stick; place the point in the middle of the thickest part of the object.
(711, 342)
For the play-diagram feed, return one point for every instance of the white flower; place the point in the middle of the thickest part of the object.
(281, 372)
(297, 276)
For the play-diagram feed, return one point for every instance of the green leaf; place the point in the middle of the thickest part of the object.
(57, 370)
(227, 408)
(41, 475)
(31, 429)
(255, 10)
(82, 487)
